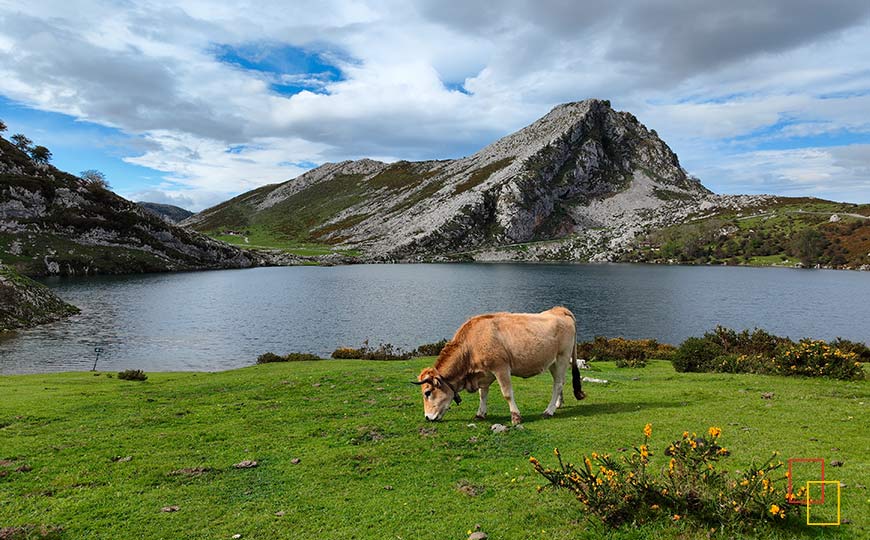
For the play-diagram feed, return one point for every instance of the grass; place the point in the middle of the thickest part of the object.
(370, 466)
(262, 238)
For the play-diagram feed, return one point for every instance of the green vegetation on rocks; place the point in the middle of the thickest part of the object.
(25, 303)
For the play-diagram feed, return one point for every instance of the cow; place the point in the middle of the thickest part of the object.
(493, 347)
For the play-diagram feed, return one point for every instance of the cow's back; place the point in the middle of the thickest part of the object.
(527, 342)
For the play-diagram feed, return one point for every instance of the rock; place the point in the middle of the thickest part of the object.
(388, 488)
(24, 303)
(24, 468)
(246, 464)
(295, 461)
(834, 218)
(836, 463)
(767, 395)
(170, 509)
(122, 459)
(479, 535)
(498, 428)
(236, 536)
(280, 513)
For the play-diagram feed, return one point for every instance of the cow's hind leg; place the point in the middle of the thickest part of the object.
(507, 390)
(557, 370)
(481, 409)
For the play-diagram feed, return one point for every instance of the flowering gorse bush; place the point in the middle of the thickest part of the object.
(727, 351)
(689, 486)
(815, 358)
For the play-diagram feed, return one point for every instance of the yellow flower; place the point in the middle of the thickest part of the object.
(672, 464)
(647, 431)
(654, 507)
(744, 483)
(533, 461)
(774, 509)
(556, 452)
(685, 434)
(676, 517)
(714, 432)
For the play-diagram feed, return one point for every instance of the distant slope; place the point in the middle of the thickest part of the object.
(25, 303)
(52, 222)
(580, 183)
(779, 231)
(169, 212)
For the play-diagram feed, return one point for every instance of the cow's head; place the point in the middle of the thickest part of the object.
(437, 394)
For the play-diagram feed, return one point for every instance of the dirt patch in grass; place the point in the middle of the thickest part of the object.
(467, 488)
(28, 532)
(190, 471)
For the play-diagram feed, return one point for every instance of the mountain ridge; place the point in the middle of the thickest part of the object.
(547, 181)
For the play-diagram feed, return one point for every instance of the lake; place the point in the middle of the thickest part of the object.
(218, 320)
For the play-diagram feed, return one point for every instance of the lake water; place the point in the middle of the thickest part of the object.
(224, 319)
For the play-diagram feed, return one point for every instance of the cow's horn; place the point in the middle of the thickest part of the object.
(424, 381)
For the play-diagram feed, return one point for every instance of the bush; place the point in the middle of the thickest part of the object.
(347, 353)
(430, 349)
(626, 352)
(696, 355)
(860, 349)
(749, 343)
(269, 357)
(815, 358)
(726, 351)
(629, 491)
(132, 375)
(384, 351)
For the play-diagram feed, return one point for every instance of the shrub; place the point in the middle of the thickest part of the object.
(626, 352)
(269, 357)
(691, 486)
(347, 353)
(384, 351)
(696, 354)
(132, 375)
(749, 343)
(860, 349)
(815, 358)
(430, 349)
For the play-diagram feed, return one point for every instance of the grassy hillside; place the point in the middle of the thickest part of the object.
(783, 231)
(55, 223)
(369, 465)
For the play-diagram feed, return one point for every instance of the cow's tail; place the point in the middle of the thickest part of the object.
(576, 379)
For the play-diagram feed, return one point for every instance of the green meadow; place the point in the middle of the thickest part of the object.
(343, 451)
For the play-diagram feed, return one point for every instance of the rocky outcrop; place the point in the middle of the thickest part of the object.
(54, 223)
(25, 303)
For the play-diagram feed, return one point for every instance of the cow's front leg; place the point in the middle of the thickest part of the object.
(481, 409)
(507, 390)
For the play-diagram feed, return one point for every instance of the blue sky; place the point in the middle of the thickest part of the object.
(193, 102)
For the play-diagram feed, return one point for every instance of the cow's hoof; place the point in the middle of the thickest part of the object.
(516, 418)
(547, 415)
(480, 417)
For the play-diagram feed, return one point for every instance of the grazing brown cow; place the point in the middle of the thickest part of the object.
(495, 346)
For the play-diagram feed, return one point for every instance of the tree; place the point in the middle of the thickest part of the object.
(94, 178)
(2, 126)
(22, 142)
(41, 155)
(808, 244)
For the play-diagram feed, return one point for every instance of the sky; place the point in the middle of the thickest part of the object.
(193, 102)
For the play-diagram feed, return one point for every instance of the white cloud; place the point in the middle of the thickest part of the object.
(716, 80)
